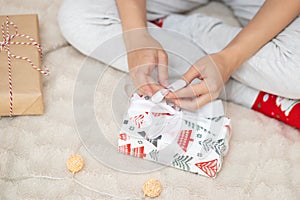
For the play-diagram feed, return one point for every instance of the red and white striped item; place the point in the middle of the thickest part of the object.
(7, 40)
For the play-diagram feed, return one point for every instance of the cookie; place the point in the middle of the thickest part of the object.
(152, 188)
(75, 163)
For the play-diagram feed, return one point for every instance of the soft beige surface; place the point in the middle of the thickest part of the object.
(263, 161)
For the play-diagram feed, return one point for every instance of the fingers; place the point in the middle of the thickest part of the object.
(146, 89)
(191, 74)
(195, 103)
(193, 90)
(142, 64)
(162, 68)
(190, 90)
(146, 84)
(155, 87)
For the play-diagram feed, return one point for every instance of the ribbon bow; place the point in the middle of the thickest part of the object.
(5, 45)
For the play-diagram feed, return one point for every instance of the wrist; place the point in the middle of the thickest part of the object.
(135, 37)
(232, 57)
(129, 26)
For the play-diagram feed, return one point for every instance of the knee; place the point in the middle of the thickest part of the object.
(68, 19)
(67, 15)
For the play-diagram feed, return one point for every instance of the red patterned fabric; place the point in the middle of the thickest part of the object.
(123, 136)
(283, 109)
(158, 22)
(210, 167)
(139, 152)
(138, 120)
(155, 114)
(184, 139)
(126, 149)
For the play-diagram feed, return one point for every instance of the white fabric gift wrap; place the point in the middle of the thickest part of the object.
(161, 132)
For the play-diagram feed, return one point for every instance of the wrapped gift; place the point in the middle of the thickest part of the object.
(163, 133)
(20, 74)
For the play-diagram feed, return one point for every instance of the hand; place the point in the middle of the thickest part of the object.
(144, 53)
(213, 72)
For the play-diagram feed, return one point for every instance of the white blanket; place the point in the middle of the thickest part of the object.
(263, 161)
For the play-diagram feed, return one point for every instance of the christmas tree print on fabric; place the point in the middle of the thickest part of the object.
(218, 146)
(138, 120)
(210, 167)
(123, 136)
(181, 161)
(126, 149)
(139, 152)
(196, 126)
(184, 139)
(152, 141)
(283, 109)
(154, 154)
(215, 119)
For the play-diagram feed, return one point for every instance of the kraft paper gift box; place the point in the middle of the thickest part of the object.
(20, 37)
(191, 141)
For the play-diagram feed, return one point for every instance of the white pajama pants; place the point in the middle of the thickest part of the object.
(94, 28)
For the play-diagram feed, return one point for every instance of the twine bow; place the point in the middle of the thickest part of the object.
(7, 40)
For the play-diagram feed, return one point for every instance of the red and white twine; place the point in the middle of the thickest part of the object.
(7, 40)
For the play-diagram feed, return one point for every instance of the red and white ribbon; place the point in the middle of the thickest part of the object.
(7, 40)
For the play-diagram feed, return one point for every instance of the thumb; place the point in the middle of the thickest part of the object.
(162, 68)
(190, 74)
